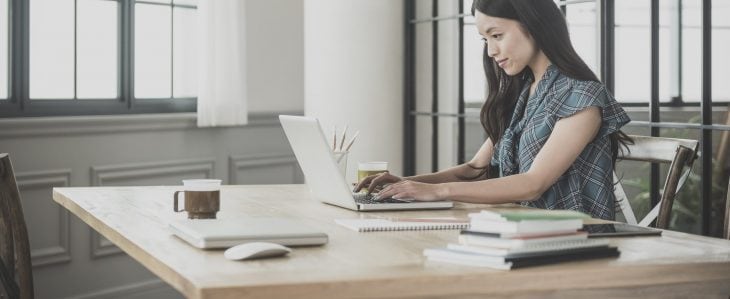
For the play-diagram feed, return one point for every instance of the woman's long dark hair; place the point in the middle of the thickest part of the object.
(544, 22)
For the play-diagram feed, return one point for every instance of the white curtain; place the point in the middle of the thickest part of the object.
(222, 69)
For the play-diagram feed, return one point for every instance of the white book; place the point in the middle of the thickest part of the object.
(524, 226)
(519, 235)
(465, 258)
(505, 266)
(488, 215)
(511, 252)
(518, 243)
(529, 214)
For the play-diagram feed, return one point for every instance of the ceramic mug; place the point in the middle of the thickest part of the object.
(201, 198)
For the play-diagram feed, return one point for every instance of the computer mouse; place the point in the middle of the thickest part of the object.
(254, 250)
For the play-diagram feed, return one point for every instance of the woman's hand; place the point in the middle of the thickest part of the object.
(376, 182)
(414, 191)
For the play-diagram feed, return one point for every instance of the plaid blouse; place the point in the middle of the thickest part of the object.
(586, 186)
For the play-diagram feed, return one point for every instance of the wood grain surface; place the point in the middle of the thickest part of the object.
(379, 264)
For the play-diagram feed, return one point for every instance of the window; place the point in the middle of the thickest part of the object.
(474, 81)
(632, 51)
(83, 57)
(583, 28)
(165, 47)
(73, 49)
(680, 51)
(720, 48)
(650, 54)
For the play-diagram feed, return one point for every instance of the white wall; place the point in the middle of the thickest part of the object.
(353, 55)
(275, 58)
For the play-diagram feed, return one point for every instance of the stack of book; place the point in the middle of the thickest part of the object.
(521, 238)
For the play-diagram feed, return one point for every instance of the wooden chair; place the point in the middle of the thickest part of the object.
(678, 153)
(16, 277)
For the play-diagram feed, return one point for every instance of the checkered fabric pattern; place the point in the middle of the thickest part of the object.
(586, 186)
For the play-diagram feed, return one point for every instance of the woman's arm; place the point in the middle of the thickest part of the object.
(470, 169)
(568, 139)
(481, 159)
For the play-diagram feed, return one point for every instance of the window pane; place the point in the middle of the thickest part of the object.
(4, 49)
(584, 33)
(692, 50)
(52, 49)
(633, 51)
(668, 50)
(467, 10)
(474, 81)
(97, 49)
(158, 1)
(185, 61)
(186, 2)
(720, 48)
(152, 50)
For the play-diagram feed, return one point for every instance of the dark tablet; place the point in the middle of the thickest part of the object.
(618, 230)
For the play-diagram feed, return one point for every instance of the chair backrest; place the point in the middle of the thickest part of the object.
(16, 275)
(678, 153)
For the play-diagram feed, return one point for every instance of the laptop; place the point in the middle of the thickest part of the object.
(224, 233)
(324, 179)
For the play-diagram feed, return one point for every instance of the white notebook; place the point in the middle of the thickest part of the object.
(383, 224)
(531, 249)
(224, 233)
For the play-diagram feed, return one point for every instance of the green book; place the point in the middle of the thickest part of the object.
(530, 214)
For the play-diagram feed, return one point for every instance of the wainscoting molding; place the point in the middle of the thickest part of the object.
(139, 289)
(101, 247)
(116, 174)
(238, 162)
(103, 175)
(48, 179)
(24, 127)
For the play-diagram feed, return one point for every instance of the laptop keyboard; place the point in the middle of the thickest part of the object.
(364, 198)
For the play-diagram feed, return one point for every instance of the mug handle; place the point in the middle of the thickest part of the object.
(174, 206)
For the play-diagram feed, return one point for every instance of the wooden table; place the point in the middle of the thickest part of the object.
(379, 264)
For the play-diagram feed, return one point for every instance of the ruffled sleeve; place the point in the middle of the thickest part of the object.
(593, 94)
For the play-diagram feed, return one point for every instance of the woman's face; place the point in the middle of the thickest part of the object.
(507, 43)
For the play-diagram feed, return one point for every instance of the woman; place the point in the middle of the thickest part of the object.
(552, 127)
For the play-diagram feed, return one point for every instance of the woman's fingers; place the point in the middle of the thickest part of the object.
(378, 181)
(411, 191)
(364, 183)
(371, 182)
(392, 189)
(400, 195)
(387, 188)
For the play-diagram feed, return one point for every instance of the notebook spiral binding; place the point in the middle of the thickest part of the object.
(377, 224)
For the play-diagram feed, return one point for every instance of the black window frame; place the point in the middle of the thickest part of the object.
(19, 103)
(607, 66)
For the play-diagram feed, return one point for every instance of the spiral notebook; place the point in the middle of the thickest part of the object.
(399, 224)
